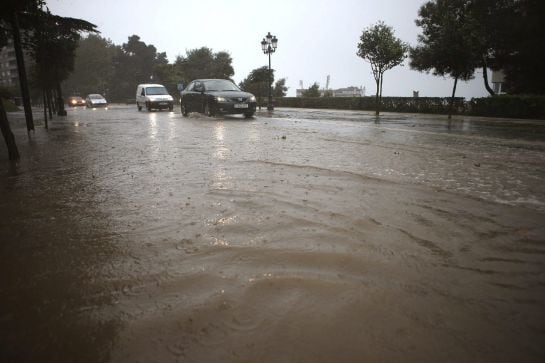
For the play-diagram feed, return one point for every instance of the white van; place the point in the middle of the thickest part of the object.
(153, 96)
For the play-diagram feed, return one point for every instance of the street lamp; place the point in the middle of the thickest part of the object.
(268, 46)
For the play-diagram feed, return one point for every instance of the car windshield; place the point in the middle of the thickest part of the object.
(156, 91)
(220, 85)
(96, 97)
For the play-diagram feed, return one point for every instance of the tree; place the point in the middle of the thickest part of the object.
(133, 63)
(482, 25)
(169, 76)
(93, 68)
(486, 27)
(312, 91)
(13, 152)
(10, 15)
(222, 66)
(383, 51)
(280, 89)
(204, 63)
(497, 34)
(258, 82)
(44, 34)
(53, 44)
(445, 46)
(519, 49)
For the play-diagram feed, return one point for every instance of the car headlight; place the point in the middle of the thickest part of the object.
(221, 99)
(251, 99)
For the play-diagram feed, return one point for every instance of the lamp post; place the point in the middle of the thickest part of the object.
(268, 46)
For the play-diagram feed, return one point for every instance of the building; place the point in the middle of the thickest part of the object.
(9, 77)
(498, 82)
(349, 92)
(340, 92)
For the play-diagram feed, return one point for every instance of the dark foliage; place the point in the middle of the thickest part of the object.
(383, 51)
(532, 107)
(313, 91)
(391, 104)
(258, 82)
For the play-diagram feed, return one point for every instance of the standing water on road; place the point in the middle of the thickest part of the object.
(301, 235)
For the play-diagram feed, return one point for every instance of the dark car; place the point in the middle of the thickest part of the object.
(216, 96)
(74, 101)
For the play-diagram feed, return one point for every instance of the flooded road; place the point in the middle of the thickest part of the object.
(301, 236)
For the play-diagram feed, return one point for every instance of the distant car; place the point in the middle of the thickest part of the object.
(153, 96)
(95, 100)
(216, 96)
(74, 101)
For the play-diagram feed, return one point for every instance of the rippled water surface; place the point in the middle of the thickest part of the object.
(302, 235)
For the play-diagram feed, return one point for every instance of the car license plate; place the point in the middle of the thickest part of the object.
(241, 105)
(162, 103)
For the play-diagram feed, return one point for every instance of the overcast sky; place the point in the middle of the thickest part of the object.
(316, 38)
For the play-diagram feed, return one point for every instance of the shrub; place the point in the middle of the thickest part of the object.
(9, 105)
(391, 104)
(523, 106)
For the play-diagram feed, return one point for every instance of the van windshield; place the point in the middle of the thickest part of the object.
(156, 91)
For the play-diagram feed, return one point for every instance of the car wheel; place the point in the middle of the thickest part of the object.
(248, 114)
(208, 110)
(139, 107)
(170, 108)
(184, 110)
(148, 107)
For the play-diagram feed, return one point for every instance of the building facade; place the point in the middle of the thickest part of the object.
(498, 82)
(9, 77)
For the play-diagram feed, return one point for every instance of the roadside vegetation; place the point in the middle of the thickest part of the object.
(379, 46)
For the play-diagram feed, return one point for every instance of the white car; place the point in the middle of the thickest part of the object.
(153, 96)
(95, 100)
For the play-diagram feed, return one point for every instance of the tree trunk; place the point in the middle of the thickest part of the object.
(377, 101)
(49, 106)
(22, 71)
(13, 153)
(45, 108)
(485, 77)
(60, 101)
(452, 98)
(54, 101)
(380, 96)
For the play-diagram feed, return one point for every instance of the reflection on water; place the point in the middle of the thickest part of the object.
(219, 130)
(171, 127)
(152, 125)
(57, 259)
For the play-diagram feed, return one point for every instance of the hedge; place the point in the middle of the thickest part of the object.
(390, 104)
(496, 106)
(9, 105)
(509, 106)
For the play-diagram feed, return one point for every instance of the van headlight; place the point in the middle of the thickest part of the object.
(251, 99)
